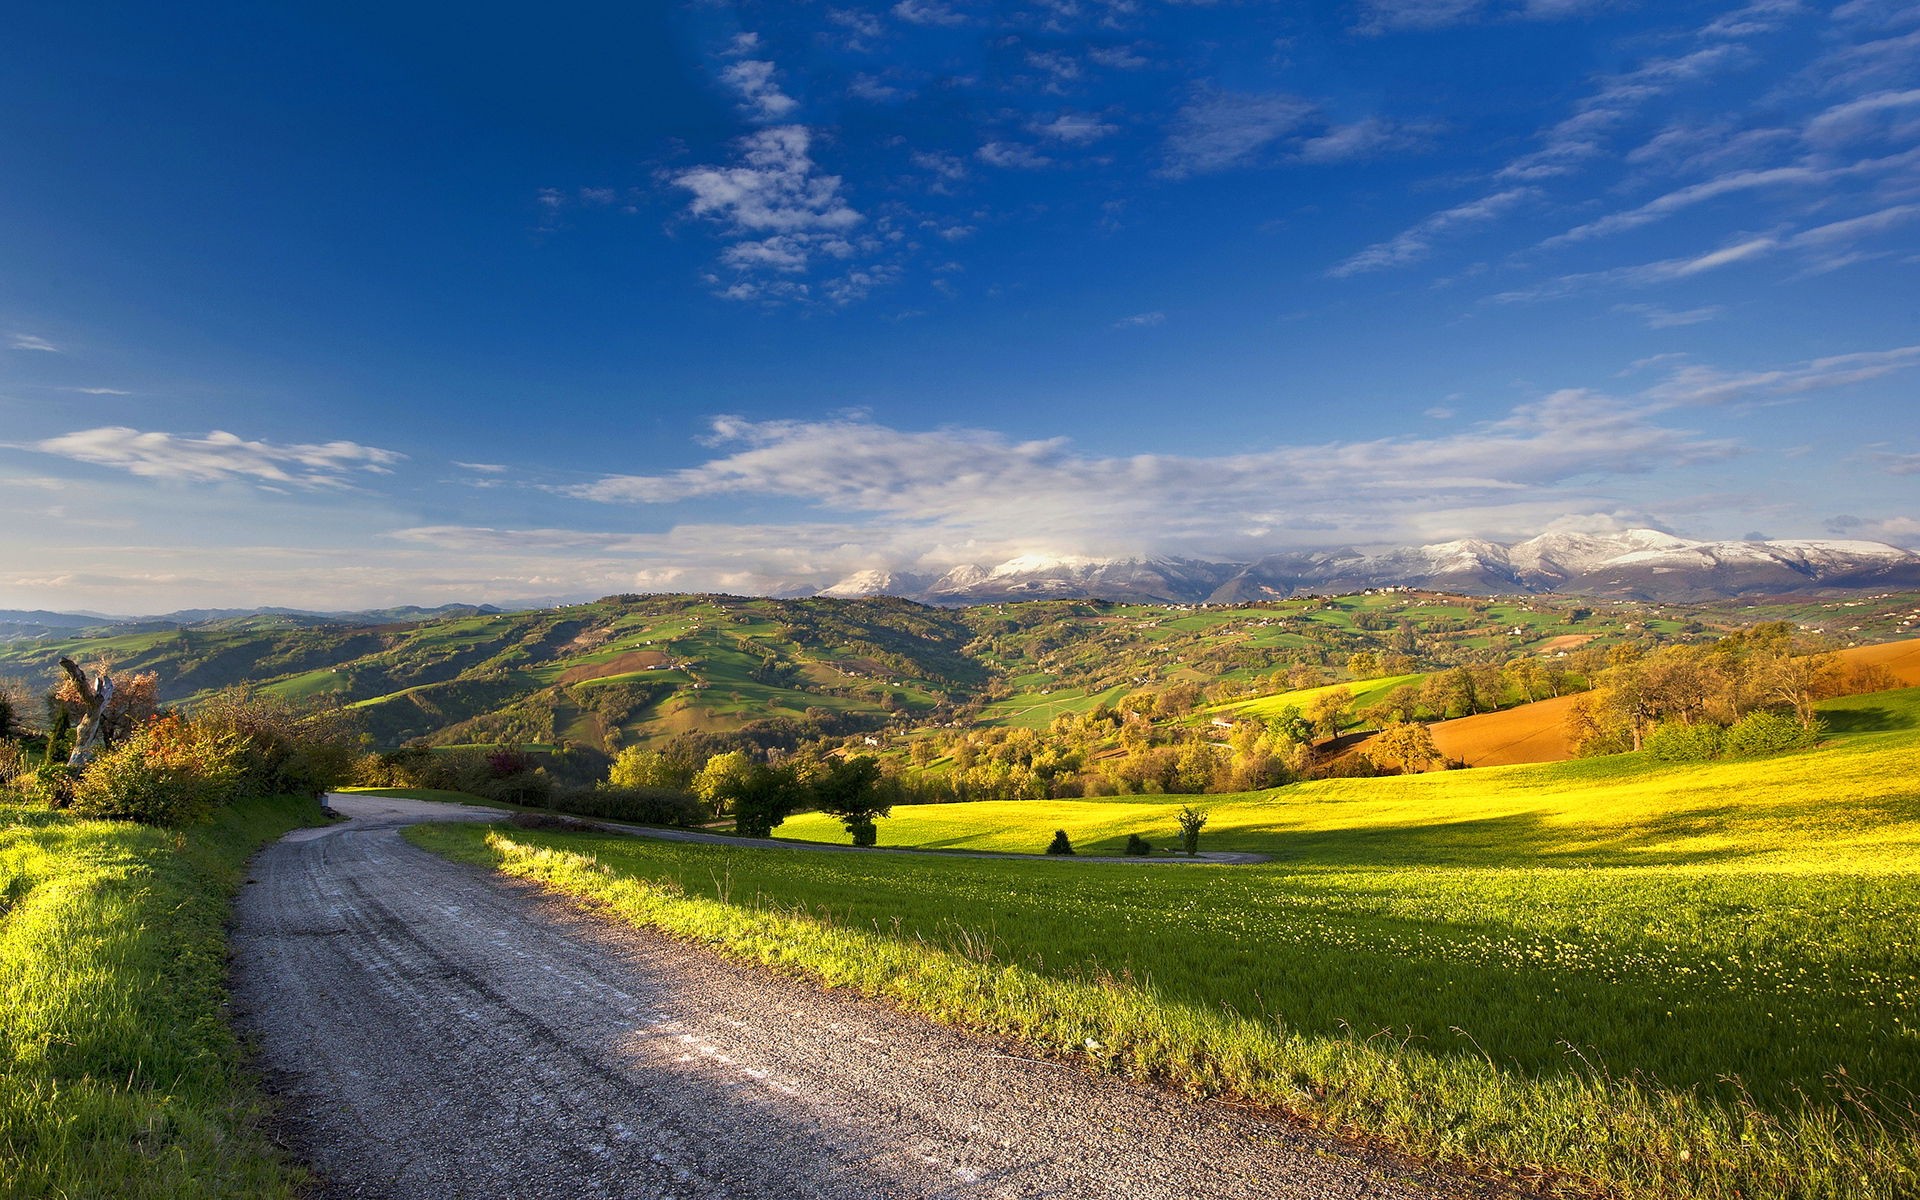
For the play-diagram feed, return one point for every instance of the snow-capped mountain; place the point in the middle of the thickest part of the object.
(1640, 564)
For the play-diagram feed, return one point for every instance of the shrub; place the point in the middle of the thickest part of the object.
(13, 761)
(1060, 843)
(165, 773)
(1673, 741)
(533, 789)
(863, 831)
(1192, 821)
(1137, 846)
(1766, 732)
(48, 783)
(284, 749)
(642, 806)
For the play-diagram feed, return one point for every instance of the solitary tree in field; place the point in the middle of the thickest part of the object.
(1192, 821)
(846, 790)
(1405, 745)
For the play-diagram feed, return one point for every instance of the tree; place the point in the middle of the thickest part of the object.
(1405, 745)
(721, 781)
(1801, 681)
(110, 705)
(1328, 711)
(637, 768)
(1060, 843)
(1192, 821)
(846, 790)
(764, 798)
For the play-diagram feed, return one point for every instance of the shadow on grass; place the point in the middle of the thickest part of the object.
(1865, 720)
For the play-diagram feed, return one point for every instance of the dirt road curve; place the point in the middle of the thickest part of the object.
(435, 1032)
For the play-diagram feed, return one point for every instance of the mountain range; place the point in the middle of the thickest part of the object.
(1635, 564)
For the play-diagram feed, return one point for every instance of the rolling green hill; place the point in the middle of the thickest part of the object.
(628, 670)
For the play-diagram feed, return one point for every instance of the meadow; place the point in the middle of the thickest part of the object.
(118, 1073)
(1606, 976)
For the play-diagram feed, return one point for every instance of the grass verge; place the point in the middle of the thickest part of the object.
(119, 1075)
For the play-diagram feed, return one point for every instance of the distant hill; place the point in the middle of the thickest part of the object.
(634, 669)
(17, 624)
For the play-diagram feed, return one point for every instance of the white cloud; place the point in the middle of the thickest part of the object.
(1120, 58)
(1216, 131)
(1691, 384)
(1387, 16)
(1364, 138)
(1615, 99)
(1140, 320)
(781, 212)
(1012, 154)
(1672, 202)
(28, 341)
(1074, 129)
(1657, 317)
(1878, 114)
(753, 79)
(220, 457)
(928, 12)
(1415, 243)
(774, 189)
(990, 494)
(1399, 16)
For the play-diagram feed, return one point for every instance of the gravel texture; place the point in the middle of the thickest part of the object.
(432, 1030)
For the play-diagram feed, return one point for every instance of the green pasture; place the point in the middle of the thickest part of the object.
(1364, 692)
(324, 682)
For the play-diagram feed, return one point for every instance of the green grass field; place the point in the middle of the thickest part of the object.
(1363, 691)
(118, 1073)
(1620, 976)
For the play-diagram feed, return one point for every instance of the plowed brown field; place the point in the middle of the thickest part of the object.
(1532, 733)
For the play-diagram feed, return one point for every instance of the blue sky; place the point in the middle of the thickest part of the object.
(340, 305)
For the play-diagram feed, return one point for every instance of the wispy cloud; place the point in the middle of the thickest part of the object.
(1368, 137)
(1216, 131)
(1656, 317)
(1074, 129)
(1140, 320)
(220, 457)
(754, 79)
(1400, 16)
(1415, 243)
(28, 341)
(1821, 248)
(1695, 384)
(1012, 154)
(928, 12)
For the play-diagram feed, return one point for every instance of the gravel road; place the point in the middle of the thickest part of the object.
(433, 1030)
